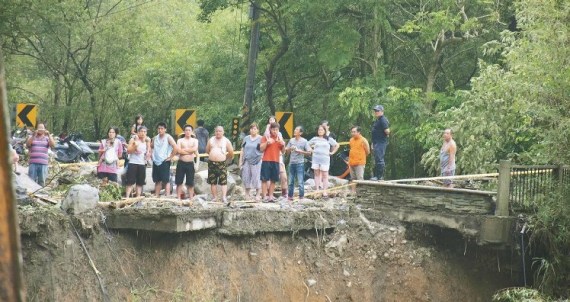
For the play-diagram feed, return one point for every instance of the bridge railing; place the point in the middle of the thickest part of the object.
(520, 187)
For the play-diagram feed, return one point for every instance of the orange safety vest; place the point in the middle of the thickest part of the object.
(357, 155)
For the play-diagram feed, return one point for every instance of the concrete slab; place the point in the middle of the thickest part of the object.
(247, 219)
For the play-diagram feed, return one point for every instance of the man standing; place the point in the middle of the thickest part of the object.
(202, 135)
(39, 143)
(447, 157)
(380, 134)
(271, 147)
(163, 149)
(187, 149)
(298, 147)
(359, 150)
(219, 150)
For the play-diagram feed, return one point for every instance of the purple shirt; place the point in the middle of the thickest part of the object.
(39, 150)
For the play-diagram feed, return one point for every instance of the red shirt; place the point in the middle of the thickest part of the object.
(272, 151)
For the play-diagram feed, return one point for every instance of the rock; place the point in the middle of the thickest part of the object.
(200, 201)
(149, 184)
(345, 273)
(311, 282)
(80, 198)
(87, 170)
(310, 183)
(337, 246)
(238, 180)
(335, 181)
(22, 196)
(201, 185)
(24, 181)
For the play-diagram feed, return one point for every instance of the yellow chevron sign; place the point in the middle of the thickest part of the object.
(184, 117)
(285, 120)
(26, 115)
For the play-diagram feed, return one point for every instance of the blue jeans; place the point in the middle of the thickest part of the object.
(297, 171)
(38, 173)
(379, 164)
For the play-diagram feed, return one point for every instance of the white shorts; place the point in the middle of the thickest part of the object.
(324, 168)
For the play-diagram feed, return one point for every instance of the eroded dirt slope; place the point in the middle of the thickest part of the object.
(357, 261)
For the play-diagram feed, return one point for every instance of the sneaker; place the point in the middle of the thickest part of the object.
(290, 198)
(374, 178)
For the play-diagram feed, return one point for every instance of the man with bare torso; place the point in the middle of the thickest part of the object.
(447, 157)
(187, 149)
(219, 151)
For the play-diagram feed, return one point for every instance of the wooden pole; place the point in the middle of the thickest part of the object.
(11, 278)
(503, 190)
(247, 109)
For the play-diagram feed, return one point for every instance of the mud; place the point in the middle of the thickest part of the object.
(358, 260)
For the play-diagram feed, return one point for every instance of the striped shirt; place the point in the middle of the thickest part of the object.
(39, 150)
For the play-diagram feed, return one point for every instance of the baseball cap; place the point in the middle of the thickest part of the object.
(378, 108)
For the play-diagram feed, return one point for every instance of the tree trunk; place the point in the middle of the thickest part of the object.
(270, 76)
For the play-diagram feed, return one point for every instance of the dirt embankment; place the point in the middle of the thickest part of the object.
(358, 261)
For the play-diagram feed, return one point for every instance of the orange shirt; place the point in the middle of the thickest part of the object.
(357, 155)
(272, 151)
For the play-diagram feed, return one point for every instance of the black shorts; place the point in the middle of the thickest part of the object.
(136, 174)
(185, 169)
(269, 171)
(110, 176)
(161, 173)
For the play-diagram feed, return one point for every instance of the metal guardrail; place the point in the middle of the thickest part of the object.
(521, 187)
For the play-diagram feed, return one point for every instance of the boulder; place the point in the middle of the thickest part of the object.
(24, 181)
(310, 183)
(86, 170)
(335, 181)
(80, 198)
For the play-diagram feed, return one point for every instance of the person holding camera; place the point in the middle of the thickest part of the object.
(39, 143)
(298, 147)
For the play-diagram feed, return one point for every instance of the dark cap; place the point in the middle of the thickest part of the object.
(378, 108)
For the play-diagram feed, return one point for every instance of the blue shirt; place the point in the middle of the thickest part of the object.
(378, 135)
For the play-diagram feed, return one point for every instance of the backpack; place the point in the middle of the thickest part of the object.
(111, 155)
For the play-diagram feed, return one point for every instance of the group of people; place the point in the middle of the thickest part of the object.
(159, 150)
(261, 160)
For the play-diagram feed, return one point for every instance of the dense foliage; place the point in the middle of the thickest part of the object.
(496, 72)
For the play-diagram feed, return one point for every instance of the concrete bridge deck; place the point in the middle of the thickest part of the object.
(251, 218)
(470, 212)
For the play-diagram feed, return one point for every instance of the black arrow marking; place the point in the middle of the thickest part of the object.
(282, 122)
(23, 115)
(184, 118)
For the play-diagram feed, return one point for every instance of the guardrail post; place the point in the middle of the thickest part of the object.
(503, 188)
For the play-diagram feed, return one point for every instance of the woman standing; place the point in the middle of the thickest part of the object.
(323, 147)
(139, 150)
(110, 150)
(250, 162)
